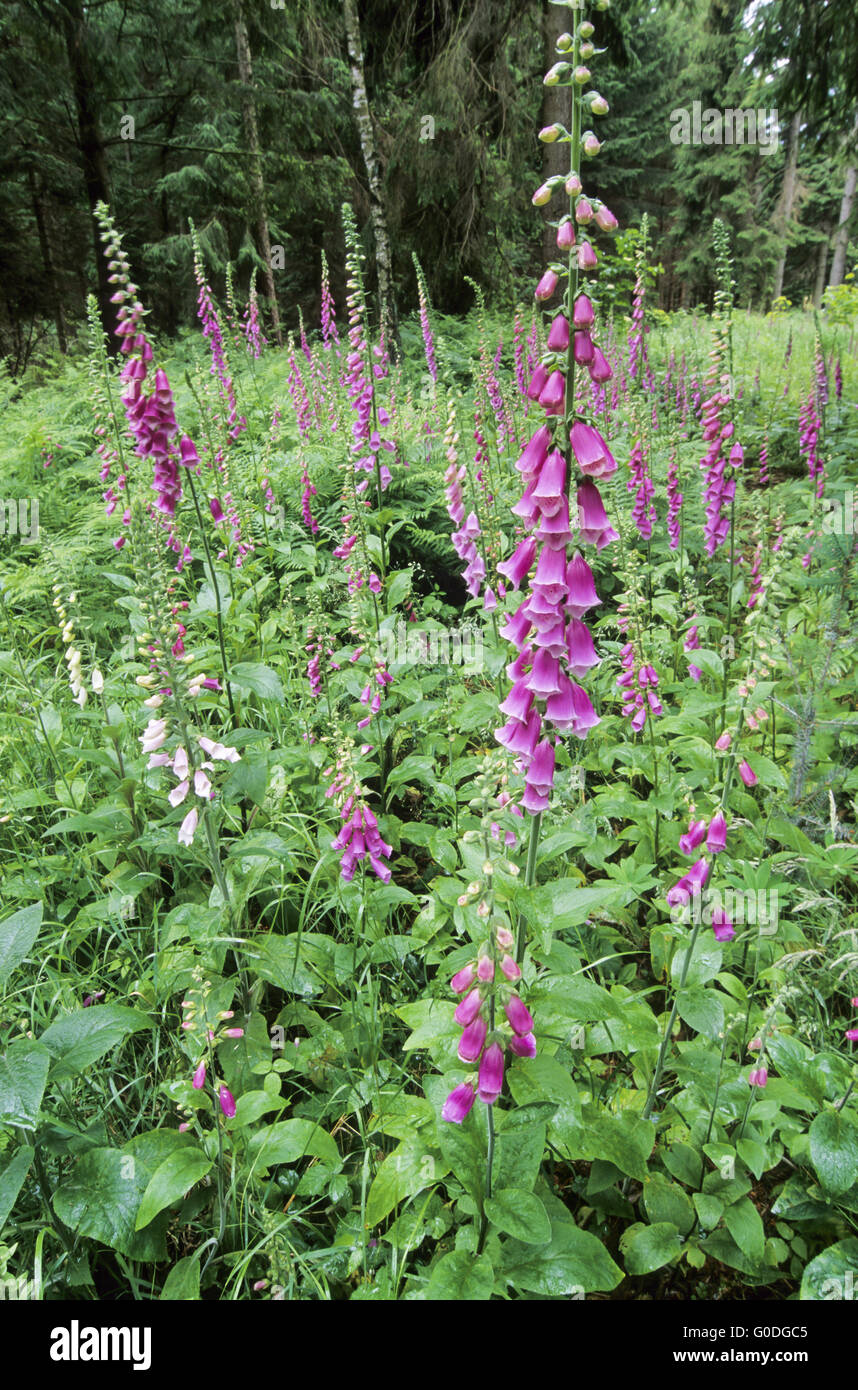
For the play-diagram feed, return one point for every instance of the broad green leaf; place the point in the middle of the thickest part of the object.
(12, 1179)
(101, 1197)
(624, 1140)
(183, 1281)
(175, 1176)
(288, 1141)
(518, 1154)
(704, 964)
(702, 1010)
(709, 1209)
(403, 1173)
(466, 1156)
(684, 1163)
(646, 1248)
(519, 1214)
(23, 1073)
(573, 1263)
(834, 1150)
(745, 1225)
(833, 1274)
(259, 679)
(17, 935)
(665, 1201)
(79, 1039)
(459, 1276)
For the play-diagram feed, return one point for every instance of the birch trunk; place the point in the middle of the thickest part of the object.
(363, 120)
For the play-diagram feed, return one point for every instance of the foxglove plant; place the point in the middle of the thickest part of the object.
(553, 643)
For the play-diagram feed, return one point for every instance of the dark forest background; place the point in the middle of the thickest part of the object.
(258, 118)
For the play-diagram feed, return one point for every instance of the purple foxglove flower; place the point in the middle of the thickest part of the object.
(472, 1040)
(519, 1016)
(544, 678)
(533, 802)
(694, 836)
(851, 1034)
(722, 743)
(548, 492)
(583, 349)
(524, 1047)
(716, 840)
(593, 526)
(583, 211)
(583, 314)
(485, 969)
(758, 1077)
(547, 285)
(573, 185)
(537, 383)
(187, 452)
(188, 827)
(216, 511)
(540, 772)
(511, 970)
(536, 449)
(517, 567)
(599, 367)
(518, 702)
(689, 885)
(227, 1103)
(747, 774)
(552, 395)
(470, 1006)
(199, 1080)
(695, 673)
(722, 926)
(587, 258)
(566, 235)
(490, 1080)
(581, 585)
(580, 650)
(550, 574)
(605, 219)
(458, 1103)
(558, 338)
(592, 453)
(520, 738)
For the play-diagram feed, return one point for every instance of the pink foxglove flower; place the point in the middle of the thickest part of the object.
(227, 1102)
(459, 1103)
(490, 1083)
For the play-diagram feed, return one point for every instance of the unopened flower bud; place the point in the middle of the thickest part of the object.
(599, 106)
(591, 145)
(582, 74)
(550, 133)
(586, 29)
(564, 43)
(541, 196)
(556, 74)
(587, 50)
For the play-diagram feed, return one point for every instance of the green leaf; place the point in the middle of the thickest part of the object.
(832, 1274)
(261, 680)
(12, 1180)
(709, 1209)
(101, 1197)
(519, 1214)
(79, 1039)
(459, 1276)
(466, 1157)
(665, 1201)
(704, 964)
(403, 1173)
(298, 964)
(702, 1010)
(745, 1225)
(624, 1140)
(834, 1150)
(518, 1154)
(646, 1248)
(684, 1163)
(291, 1140)
(573, 1263)
(23, 1074)
(398, 586)
(17, 935)
(183, 1281)
(564, 903)
(175, 1176)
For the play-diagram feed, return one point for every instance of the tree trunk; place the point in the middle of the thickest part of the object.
(92, 151)
(48, 261)
(841, 240)
(363, 119)
(783, 211)
(821, 264)
(257, 181)
(556, 107)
